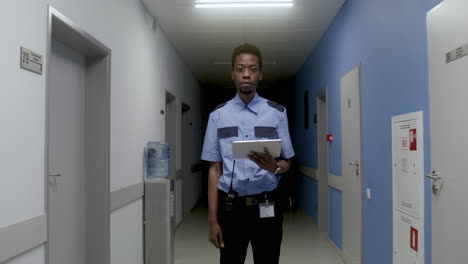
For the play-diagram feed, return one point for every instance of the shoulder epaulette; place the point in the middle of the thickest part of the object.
(276, 106)
(219, 106)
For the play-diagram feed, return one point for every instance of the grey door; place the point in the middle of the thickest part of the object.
(448, 80)
(67, 202)
(351, 165)
(322, 149)
(171, 138)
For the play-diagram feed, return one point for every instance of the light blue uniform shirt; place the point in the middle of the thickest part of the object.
(260, 119)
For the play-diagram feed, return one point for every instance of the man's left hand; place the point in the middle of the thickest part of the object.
(264, 160)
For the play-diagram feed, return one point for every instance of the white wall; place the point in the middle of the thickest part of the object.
(22, 108)
(127, 242)
(144, 64)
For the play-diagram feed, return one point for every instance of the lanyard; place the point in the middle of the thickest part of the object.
(232, 177)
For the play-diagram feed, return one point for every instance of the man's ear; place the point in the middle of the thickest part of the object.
(261, 76)
(232, 75)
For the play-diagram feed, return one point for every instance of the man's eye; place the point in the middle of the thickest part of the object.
(239, 69)
(253, 69)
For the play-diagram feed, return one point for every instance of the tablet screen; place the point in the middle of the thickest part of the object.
(240, 149)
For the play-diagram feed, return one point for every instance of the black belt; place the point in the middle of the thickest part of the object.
(250, 200)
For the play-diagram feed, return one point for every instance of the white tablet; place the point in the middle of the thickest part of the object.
(240, 149)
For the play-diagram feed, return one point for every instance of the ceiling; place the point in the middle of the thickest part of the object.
(205, 38)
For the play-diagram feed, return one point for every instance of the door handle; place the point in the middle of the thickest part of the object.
(434, 175)
(357, 166)
(54, 175)
(437, 182)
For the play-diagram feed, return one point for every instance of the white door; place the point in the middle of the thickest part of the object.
(67, 203)
(351, 165)
(448, 30)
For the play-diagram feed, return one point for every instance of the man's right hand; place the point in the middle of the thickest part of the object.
(216, 235)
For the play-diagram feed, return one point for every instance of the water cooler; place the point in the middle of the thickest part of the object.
(159, 207)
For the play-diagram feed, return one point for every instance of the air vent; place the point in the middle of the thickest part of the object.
(404, 219)
(407, 205)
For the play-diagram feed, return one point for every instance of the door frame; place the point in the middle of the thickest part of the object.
(98, 86)
(171, 124)
(186, 161)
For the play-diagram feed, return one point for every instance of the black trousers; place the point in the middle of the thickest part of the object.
(243, 225)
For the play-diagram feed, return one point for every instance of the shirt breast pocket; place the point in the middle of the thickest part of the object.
(226, 136)
(265, 132)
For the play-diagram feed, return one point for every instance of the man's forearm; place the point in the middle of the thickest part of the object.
(213, 179)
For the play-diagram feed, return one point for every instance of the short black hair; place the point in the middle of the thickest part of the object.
(249, 49)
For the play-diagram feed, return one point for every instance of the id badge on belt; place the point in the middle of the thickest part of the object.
(267, 209)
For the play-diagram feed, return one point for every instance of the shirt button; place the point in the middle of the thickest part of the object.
(246, 136)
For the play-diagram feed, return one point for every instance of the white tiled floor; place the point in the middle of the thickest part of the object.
(302, 243)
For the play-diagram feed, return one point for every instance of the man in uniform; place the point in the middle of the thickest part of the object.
(242, 197)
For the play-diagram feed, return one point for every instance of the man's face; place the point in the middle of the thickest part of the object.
(246, 73)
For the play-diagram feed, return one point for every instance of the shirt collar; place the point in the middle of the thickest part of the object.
(253, 105)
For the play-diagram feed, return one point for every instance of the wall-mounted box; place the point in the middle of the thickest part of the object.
(408, 188)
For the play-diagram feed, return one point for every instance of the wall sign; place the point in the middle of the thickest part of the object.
(456, 53)
(31, 61)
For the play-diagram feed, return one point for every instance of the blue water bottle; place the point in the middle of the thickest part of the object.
(157, 162)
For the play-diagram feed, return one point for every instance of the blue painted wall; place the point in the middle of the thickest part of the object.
(308, 196)
(335, 217)
(388, 40)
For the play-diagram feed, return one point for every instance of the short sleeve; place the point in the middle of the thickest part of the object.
(287, 150)
(211, 150)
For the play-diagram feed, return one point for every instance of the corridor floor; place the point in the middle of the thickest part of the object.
(302, 243)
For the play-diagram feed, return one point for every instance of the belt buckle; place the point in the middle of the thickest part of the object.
(250, 201)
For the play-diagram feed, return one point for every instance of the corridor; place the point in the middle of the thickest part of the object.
(371, 93)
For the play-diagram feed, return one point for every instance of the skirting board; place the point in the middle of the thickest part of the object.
(23, 236)
(337, 249)
(346, 259)
(127, 195)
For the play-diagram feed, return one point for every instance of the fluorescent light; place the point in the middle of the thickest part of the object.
(242, 3)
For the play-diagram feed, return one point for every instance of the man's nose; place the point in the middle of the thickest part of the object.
(246, 74)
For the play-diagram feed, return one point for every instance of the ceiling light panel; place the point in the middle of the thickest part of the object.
(242, 3)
